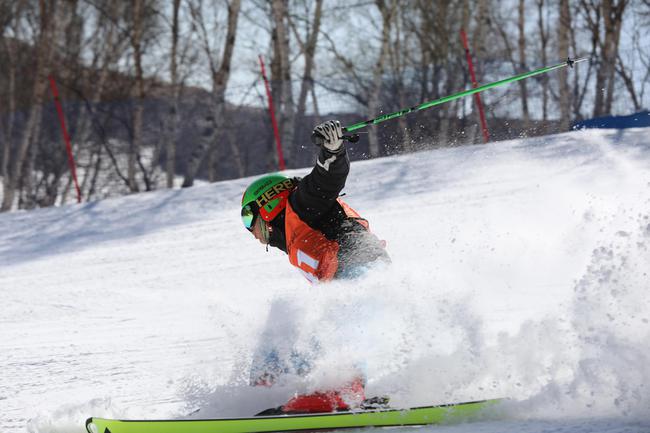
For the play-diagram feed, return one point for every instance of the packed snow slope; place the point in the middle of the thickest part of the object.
(520, 269)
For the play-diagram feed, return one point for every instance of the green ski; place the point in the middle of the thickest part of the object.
(450, 413)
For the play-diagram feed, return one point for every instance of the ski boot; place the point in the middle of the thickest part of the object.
(350, 396)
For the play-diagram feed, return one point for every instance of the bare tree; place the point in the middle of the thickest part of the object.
(639, 52)
(579, 17)
(52, 162)
(387, 9)
(399, 61)
(521, 25)
(563, 27)
(627, 77)
(281, 76)
(111, 74)
(220, 74)
(612, 18)
(542, 25)
(482, 26)
(136, 45)
(10, 14)
(501, 25)
(308, 51)
(47, 14)
(174, 115)
(430, 33)
(107, 44)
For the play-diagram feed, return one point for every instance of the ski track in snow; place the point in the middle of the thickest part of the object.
(520, 269)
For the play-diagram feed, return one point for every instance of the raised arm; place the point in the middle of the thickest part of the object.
(318, 191)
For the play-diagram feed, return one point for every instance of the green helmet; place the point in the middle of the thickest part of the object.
(266, 197)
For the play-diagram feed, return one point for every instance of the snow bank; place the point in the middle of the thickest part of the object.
(519, 270)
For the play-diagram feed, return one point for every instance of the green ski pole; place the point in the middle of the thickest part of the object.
(384, 117)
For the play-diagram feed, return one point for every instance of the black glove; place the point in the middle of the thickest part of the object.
(328, 135)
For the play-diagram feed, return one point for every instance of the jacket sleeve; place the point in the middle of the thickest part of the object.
(317, 192)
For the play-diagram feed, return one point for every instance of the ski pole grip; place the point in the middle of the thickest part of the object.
(318, 140)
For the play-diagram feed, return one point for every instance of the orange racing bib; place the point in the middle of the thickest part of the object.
(309, 250)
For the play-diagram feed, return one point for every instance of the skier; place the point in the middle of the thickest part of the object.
(322, 236)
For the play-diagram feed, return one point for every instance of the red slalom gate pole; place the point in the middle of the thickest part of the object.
(66, 137)
(276, 132)
(477, 96)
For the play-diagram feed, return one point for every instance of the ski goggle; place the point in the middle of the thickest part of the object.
(248, 214)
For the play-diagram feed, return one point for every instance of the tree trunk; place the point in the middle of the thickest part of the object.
(563, 75)
(219, 84)
(70, 34)
(26, 183)
(95, 177)
(522, 63)
(281, 78)
(399, 65)
(220, 80)
(543, 37)
(136, 140)
(79, 120)
(315, 104)
(11, 95)
(387, 13)
(480, 35)
(231, 137)
(612, 13)
(173, 119)
(307, 84)
(107, 50)
(48, 16)
(629, 83)
(464, 25)
(614, 21)
(579, 91)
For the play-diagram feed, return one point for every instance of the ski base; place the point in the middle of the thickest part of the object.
(445, 414)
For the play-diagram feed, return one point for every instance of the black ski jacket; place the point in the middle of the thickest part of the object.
(315, 202)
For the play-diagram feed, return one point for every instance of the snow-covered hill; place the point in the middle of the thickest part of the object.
(520, 269)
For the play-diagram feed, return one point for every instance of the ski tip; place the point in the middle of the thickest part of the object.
(90, 426)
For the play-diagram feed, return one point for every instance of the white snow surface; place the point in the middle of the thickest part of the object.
(520, 269)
